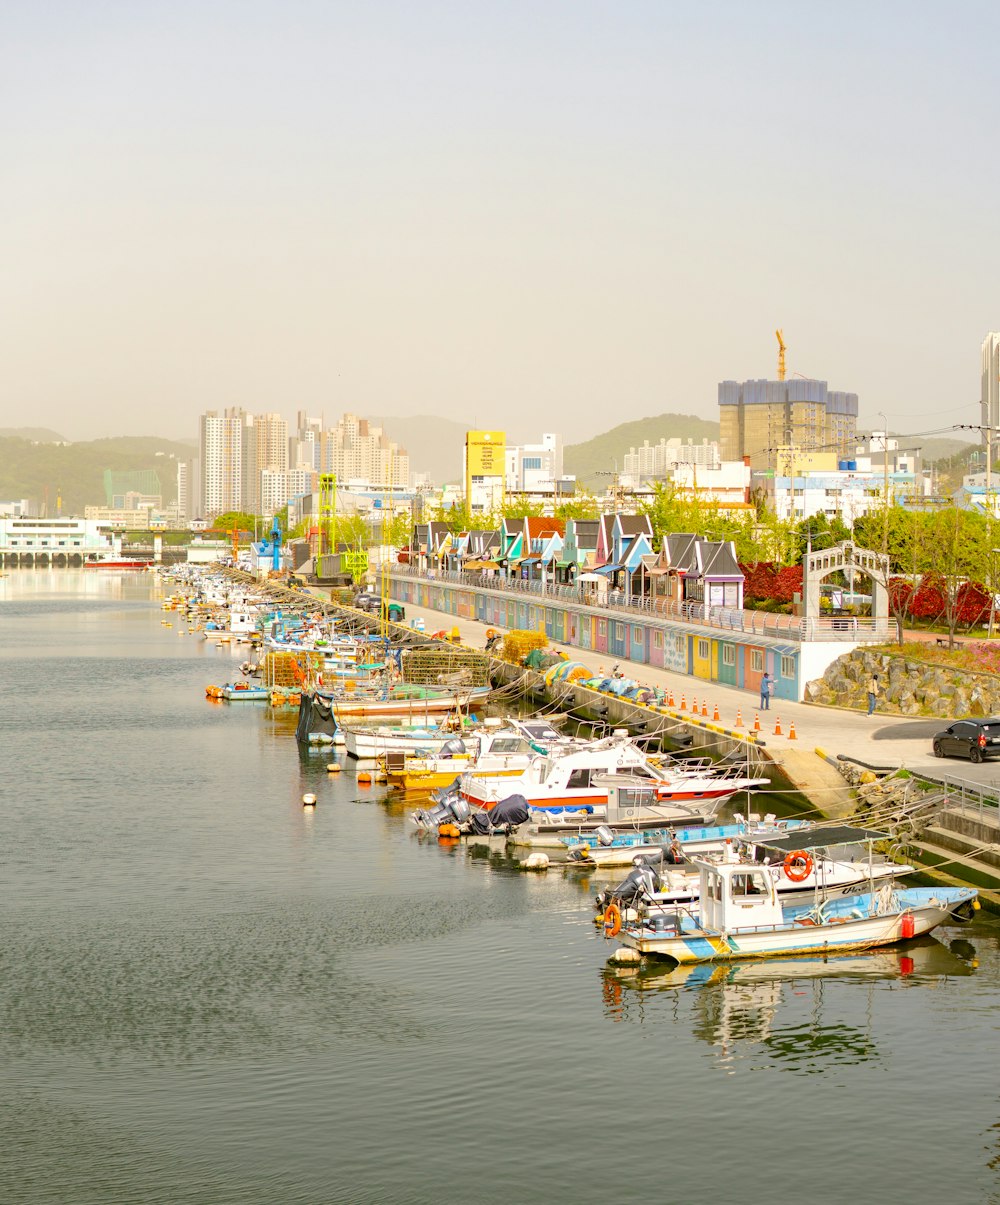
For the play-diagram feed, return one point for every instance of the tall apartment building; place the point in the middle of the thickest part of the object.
(989, 404)
(306, 445)
(657, 460)
(756, 418)
(357, 450)
(279, 486)
(265, 446)
(220, 445)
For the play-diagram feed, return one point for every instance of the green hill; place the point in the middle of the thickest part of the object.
(40, 434)
(74, 472)
(601, 453)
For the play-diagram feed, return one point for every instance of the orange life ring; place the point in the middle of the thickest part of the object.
(612, 920)
(798, 865)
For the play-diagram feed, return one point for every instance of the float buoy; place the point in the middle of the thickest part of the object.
(308, 801)
(334, 767)
(798, 865)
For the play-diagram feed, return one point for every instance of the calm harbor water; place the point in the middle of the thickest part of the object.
(208, 995)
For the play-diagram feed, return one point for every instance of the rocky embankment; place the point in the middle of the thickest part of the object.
(908, 687)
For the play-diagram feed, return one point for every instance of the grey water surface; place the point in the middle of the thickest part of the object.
(209, 995)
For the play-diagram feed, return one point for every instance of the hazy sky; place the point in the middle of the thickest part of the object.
(559, 215)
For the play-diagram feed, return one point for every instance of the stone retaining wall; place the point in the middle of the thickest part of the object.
(908, 687)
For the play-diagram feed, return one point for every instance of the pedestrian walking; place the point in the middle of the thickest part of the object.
(765, 692)
(873, 692)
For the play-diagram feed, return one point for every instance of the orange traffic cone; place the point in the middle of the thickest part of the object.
(756, 721)
(671, 703)
(694, 705)
(704, 708)
(684, 705)
(777, 725)
(791, 732)
(715, 714)
(739, 717)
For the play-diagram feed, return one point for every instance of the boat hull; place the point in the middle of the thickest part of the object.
(844, 933)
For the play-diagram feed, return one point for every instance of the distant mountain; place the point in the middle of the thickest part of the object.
(435, 445)
(75, 473)
(39, 434)
(601, 453)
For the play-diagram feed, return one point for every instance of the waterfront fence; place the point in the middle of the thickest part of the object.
(848, 628)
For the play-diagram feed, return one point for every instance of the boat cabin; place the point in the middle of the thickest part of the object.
(737, 895)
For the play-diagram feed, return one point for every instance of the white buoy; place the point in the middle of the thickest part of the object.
(309, 801)
(626, 955)
(333, 767)
(536, 862)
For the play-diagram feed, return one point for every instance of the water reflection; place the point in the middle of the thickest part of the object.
(780, 1012)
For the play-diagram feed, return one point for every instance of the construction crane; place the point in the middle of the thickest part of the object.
(781, 355)
(615, 489)
(276, 546)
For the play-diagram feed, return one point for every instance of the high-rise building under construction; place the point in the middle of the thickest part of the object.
(757, 418)
(990, 396)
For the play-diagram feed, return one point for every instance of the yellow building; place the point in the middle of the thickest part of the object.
(485, 469)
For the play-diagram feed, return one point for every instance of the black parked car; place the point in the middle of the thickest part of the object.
(372, 603)
(975, 739)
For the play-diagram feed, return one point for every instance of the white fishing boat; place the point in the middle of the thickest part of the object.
(569, 781)
(609, 848)
(495, 749)
(739, 913)
(797, 879)
(369, 743)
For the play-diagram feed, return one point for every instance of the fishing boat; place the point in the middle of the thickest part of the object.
(491, 750)
(514, 818)
(565, 780)
(402, 699)
(243, 692)
(608, 847)
(740, 914)
(662, 884)
(410, 740)
(118, 562)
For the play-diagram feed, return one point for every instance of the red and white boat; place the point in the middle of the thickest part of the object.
(567, 782)
(118, 562)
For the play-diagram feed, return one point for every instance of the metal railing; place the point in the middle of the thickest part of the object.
(756, 623)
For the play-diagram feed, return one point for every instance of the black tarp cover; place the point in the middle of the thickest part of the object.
(513, 810)
(315, 715)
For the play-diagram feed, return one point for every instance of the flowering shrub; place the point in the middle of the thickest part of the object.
(767, 582)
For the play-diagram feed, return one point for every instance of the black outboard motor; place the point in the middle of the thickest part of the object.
(641, 880)
(453, 748)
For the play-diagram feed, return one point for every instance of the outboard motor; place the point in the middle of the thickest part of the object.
(460, 809)
(604, 835)
(445, 794)
(452, 748)
(664, 922)
(641, 880)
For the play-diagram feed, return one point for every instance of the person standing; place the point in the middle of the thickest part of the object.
(765, 692)
(873, 690)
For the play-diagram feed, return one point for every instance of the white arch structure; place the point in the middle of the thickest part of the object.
(840, 558)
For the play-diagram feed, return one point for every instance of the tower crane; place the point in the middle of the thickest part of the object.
(781, 355)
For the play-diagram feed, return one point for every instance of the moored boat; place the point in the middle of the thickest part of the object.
(739, 914)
